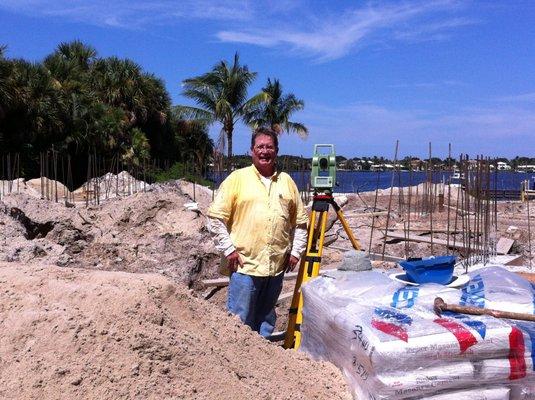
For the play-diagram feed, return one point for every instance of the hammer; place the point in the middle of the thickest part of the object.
(440, 306)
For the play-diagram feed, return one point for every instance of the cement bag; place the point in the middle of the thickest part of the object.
(519, 364)
(417, 339)
(411, 383)
(372, 286)
(523, 391)
(491, 393)
(496, 288)
(503, 369)
(358, 286)
(485, 393)
(386, 338)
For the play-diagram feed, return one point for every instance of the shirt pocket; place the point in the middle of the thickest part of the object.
(285, 208)
(283, 218)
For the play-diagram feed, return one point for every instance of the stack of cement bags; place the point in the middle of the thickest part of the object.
(390, 344)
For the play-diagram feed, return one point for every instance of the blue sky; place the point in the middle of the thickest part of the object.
(370, 72)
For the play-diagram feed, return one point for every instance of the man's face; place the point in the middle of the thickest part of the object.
(264, 154)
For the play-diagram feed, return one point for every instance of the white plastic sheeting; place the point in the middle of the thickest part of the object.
(390, 344)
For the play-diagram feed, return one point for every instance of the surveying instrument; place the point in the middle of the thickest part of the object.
(322, 180)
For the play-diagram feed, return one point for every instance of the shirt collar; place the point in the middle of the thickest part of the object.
(259, 175)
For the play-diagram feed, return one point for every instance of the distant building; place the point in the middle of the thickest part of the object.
(417, 164)
(503, 166)
(381, 167)
(525, 168)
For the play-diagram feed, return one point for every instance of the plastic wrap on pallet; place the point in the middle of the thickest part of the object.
(491, 393)
(519, 365)
(385, 338)
(495, 287)
(479, 393)
(397, 330)
(390, 344)
(523, 391)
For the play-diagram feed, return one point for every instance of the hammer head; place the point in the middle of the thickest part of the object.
(439, 306)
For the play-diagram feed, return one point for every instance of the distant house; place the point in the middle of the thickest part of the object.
(525, 168)
(381, 167)
(342, 164)
(503, 166)
(417, 164)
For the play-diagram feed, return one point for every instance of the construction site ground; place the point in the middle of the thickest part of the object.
(108, 302)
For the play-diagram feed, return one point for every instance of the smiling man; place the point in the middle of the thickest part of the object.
(259, 224)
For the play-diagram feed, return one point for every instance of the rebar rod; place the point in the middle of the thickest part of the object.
(374, 209)
(407, 245)
(449, 202)
(47, 175)
(41, 172)
(389, 202)
(55, 168)
(9, 177)
(477, 201)
(529, 232)
(2, 190)
(430, 179)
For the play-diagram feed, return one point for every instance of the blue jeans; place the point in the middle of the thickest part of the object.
(253, 299)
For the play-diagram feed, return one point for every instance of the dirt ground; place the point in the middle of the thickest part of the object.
(78, 333)
(107, 301)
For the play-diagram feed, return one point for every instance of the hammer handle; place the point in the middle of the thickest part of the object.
(441, 306)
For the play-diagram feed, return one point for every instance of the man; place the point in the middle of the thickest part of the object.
(259, 224)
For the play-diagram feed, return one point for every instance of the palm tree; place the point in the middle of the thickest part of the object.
(69, 67)
(221, 95)
(6, 88)
(70, 61)
(276, 112)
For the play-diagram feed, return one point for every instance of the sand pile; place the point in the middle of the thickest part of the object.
(75, 333)
(145, 232)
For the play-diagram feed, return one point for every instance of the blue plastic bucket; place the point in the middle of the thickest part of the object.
(430, 270)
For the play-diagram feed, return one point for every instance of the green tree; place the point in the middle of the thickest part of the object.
(35, 117)
(221, 95)
(6, 86)
(70, 68)
(8, 91)
(277, 111)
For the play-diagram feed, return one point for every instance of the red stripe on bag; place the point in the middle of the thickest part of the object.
(517, 348)
(463, 335)
(390, 329)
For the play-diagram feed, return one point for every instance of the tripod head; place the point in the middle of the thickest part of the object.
(323, 174)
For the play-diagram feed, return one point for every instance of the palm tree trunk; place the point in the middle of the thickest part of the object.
(229, 151)
(229, 128)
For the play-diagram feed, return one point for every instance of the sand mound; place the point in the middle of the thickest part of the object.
(72, 333)
(145, 232)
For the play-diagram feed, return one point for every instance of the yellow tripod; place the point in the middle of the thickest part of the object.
(310, 262)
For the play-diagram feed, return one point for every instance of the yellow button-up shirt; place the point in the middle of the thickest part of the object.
(260, 221)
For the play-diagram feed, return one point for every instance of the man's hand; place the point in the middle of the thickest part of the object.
(233, 261)
(292, 262)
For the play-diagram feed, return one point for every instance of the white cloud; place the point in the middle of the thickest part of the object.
(133, 13)
(333, 36)
(322, 31)
(437, 30)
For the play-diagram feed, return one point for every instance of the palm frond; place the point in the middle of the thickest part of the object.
(192, 113)
(298, 128)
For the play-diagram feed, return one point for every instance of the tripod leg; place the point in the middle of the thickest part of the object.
(352, 239)
(354, 242)
(309, 268)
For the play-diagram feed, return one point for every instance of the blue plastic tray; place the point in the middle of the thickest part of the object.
(430, 270)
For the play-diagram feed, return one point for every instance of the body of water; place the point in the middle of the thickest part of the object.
(364, 181)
